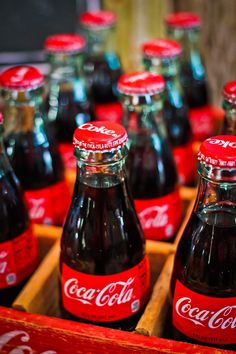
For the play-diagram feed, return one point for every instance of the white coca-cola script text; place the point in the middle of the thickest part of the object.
(118, 293)
(223, 318)
(103, 130)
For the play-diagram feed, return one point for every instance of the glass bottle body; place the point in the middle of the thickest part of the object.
(102, 235)
(67, 104)
(229, 123)
(151, 167)
(175, 113)
(102, 69)
(18, 246)
(34, 158)
(193, 80)
(205, 261)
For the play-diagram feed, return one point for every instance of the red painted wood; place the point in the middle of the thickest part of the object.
(44, 335)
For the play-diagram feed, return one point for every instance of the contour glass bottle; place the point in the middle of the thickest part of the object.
(67, 104)
(34, 158)
(229, 105)
(184, 27)
(18, 245)
(102, 65)
(203, 284)
(104, 269)
(161, 56)
(150, 164)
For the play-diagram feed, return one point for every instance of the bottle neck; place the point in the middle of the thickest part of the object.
(22, 111)
(4, 163)
(229, 124)
(101, 169)
(143, 118)
(99, 41)
(65, 66)
(189, 40)
(1, 140)
(216, 187)
(169, 69)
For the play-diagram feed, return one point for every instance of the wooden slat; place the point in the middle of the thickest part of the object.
(152, 321)
(44, 335)
(40, 294)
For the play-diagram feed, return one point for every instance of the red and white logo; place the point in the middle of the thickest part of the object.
(111, 112)
(204, 318)
(102, 129)
(202, 122)
(222, 142)
(100, 136)
(185, 163)
(160, 217)
(48, 205)
(17, 340)
(18, 259)
(105, 298)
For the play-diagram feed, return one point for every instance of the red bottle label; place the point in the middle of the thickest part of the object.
(204, 318)
(160, 217)
(18, 259)
(185, 162)
(105, 298)
(202, 122)
(48, 205)
(67, 153)
(111, 112)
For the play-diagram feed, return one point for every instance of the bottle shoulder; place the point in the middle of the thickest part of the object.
(205, 258)
(102, 230)
(13, 212)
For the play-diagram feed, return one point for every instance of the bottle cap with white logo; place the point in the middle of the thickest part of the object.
(21, 78)
(218, 151)
(100, 137)
(141, 83)
(229, 91)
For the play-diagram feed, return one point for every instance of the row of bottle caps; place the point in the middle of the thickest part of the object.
(31, 141)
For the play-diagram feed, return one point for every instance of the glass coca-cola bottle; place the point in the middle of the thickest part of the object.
(34, 158)
(203, 284)
(161, 56)
(67, 103)
(102, 65)
(229, 105)
(104, 269)
(184, 27)
(18, 245)
(151, 166)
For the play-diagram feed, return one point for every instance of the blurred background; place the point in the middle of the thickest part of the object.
(25, 24)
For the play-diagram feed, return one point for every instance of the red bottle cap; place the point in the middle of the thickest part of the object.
(183, 20)
(219, 151)
(162, 48)
(21, 78)
(1, 118)
(230, 91)
(141, 83)
(100, 136)
(64, 43)
(98, 19)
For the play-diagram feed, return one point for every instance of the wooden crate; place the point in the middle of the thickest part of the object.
(33, 325)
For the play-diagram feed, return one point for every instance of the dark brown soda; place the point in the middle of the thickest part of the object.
(206, 258)
(177, 121)
(13, 222)
(151, 168)
(36, 162)
(70, 113)
(195, 90)
(109, 239)
(102, 73)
